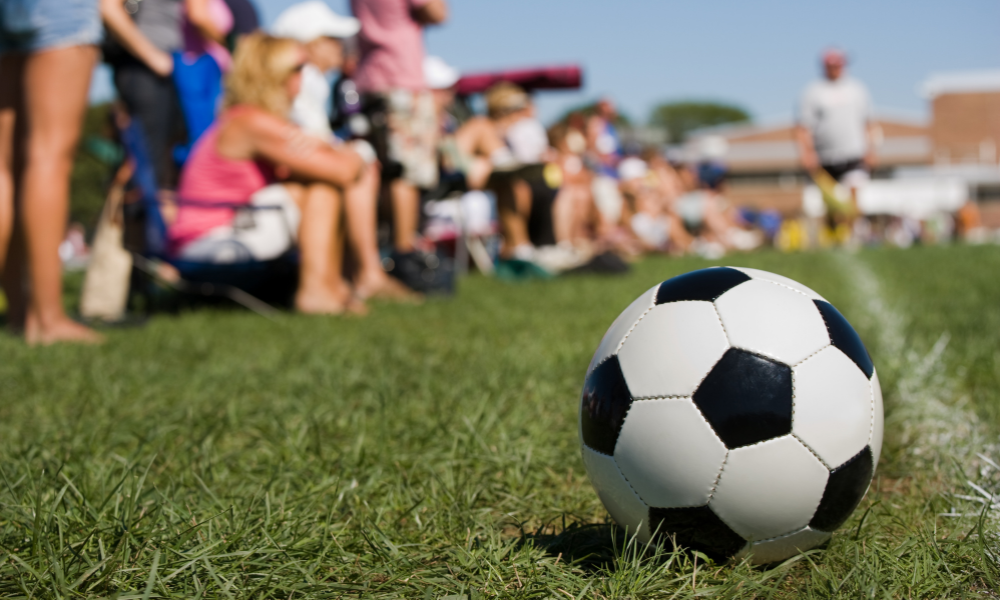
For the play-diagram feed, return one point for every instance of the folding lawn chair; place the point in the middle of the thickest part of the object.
(199, 87)
(242, 282)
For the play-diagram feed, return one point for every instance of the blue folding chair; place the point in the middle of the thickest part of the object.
(199, 88)
(241, 282)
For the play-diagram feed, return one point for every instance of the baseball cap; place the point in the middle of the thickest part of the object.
(439, 75)
(307, 21)
(834, 56)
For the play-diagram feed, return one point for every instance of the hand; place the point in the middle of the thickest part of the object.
(161, 63)
(810, 162)
(870, 159)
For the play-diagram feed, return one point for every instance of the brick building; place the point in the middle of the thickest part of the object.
(962, 139)
(965, 123)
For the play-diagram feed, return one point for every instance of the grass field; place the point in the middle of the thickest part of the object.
(431, 451)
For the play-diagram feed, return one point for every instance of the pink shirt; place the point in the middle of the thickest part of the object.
(210, 178)
(392, 45)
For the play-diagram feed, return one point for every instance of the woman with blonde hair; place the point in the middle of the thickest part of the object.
(253, 155)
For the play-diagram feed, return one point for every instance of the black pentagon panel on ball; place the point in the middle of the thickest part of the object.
(696, 528)
(704, 284)
(604, 403)
(844, 490)
(746, 398)
(844, 338)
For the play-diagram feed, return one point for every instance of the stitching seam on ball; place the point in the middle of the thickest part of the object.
(787, 286)
(811, 451)
(811, 355)
(715, 310)
(871, 421)
(632, 328)
(648, 398)
(790, 534)
(629, 483)
(718, 476)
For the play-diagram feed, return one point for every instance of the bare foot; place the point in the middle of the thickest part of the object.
(62, 330)
(319, 302)
(384, 287)
(324, 301)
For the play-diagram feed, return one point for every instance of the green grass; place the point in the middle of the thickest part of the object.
(431, 451)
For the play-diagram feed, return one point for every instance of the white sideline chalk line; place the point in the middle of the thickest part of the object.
(932, 429)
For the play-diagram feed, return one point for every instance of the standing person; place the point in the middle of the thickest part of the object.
(835, 128)
(390, 73)
(143, 65)
(48, 49)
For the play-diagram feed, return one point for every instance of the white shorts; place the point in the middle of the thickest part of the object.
(264, 230)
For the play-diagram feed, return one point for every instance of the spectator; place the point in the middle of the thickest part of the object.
(141, 58)
(245, 20)
(48, 49)
(835, 126)
(205, 27)
(254, 155)
(321, 32)
(647, 210)
(472, 149)
(390, 74)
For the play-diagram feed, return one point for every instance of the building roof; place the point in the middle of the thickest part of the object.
(773, 148)
(960, 82)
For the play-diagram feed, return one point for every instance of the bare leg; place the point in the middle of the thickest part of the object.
(55, 99)
(514, 206)
(10, 76)
(478, 139)
(11, 148)
(361, 211)
(405, 214)
(321, 288)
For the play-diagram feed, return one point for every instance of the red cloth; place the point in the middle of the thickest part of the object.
(545, 78)
(210, 178)
(391, 44)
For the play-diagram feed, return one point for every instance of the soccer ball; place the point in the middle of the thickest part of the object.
(733, 411)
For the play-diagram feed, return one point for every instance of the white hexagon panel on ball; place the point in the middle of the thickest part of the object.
(772, 320)
(671, 349)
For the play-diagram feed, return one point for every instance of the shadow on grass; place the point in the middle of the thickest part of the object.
(592, 547)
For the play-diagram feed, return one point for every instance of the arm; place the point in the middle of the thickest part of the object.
(201, 17)
(434, 12)
(807, 153)
(874, 140)
(124, 29)
(306, 157)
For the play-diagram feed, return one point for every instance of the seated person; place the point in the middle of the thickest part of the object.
(254, 156)
(525, 198)
(646, 211)
(575, 216)
(472, 149)
(322, 31)
(705, 211)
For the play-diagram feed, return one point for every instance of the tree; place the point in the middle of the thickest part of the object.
(680, 118)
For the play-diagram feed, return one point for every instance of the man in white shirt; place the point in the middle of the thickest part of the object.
(322, 31)
(835, 126)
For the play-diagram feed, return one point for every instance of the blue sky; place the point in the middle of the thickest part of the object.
(756, 54)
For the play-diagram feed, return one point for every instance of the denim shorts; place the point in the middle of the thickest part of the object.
(34, 25)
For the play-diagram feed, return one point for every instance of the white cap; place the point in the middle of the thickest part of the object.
(438, 74)
(632, 168)
(307, 21)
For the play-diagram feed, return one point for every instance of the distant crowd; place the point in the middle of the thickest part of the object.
(336, 140)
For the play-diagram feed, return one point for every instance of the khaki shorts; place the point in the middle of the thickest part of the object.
(413, 135)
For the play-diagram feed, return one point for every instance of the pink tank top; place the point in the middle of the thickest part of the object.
(210, 178)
